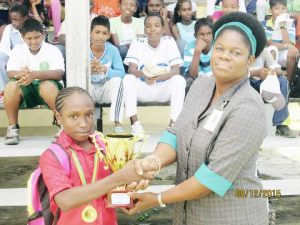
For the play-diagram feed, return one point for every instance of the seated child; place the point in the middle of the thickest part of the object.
(158, 6)
(72, 193)
(35, 69)
(262, 67)
(107, 71)
(228, 6)
(285, 42)
(210, 7)
(126, 28)
(11, 38)
(184, 22)
(37, 10)
(171, 8)
(197, 53)
(159, 56)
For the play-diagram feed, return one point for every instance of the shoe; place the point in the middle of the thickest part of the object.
(285, 131)
(12, 135)
(137, 130)
(118, 130)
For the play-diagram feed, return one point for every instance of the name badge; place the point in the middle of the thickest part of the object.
(212, 120)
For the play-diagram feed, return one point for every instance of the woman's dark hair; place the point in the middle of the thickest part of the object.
(31, 25)
(203, 22)
(155, 14)
(177, 18)
(100, 20)
(21, 9)
(251, 22)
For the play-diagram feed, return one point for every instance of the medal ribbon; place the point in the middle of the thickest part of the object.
(80, 170)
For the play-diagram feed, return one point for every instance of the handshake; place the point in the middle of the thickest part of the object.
(137, 174)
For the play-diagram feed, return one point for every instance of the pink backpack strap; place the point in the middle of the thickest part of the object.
(61, 156)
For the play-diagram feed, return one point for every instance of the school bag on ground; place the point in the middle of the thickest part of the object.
(38, 207)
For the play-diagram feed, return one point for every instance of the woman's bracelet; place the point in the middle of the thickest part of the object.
(158, 163)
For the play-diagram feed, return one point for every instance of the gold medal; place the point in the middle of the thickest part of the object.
(89, 214)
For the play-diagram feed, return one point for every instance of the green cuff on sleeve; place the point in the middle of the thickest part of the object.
(169, 138)
(212, 180)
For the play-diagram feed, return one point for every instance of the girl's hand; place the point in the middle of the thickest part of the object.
(200, 46)
(164, 13)
(129, 175)
(36, 2)
(144, 201)
(136, 186)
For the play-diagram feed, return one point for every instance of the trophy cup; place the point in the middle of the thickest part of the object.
(116, 150)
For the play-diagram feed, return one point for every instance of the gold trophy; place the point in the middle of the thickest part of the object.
(116, 150)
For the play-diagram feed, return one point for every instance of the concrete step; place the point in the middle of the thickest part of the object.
(34, 146)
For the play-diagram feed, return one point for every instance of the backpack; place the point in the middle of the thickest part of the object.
(38, 207)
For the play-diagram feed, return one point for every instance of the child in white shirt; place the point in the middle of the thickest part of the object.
(154, 64)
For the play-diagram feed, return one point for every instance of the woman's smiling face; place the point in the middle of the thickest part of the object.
(231, 56)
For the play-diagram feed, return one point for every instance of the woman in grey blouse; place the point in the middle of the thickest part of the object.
(216, 138)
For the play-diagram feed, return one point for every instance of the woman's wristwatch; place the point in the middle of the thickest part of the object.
(161, 204)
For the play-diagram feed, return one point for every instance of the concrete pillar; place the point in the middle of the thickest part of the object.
(77, 43)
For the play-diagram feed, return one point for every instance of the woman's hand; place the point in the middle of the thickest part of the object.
(143, 201)
(129, 173)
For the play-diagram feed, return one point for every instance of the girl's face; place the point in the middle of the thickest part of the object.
(153, 28)
(99, 35)
(128, 7)
(185, 11)
(77, 117)
(155, 6)
(230, 58)
(16, 20)
(205, 33)
(229, 6)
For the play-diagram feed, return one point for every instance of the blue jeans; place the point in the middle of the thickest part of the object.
(279, 116)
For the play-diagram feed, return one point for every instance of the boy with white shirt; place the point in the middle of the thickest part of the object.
(35, 69)
(11, 37)
(154, 64)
